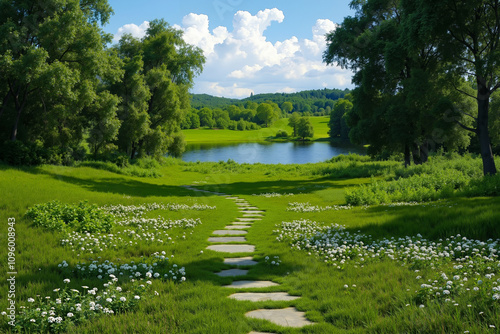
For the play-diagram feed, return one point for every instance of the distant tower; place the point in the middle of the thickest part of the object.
(251, 94)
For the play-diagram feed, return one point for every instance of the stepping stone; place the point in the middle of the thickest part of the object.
(226, 232)
(250, 284)
(240, 261)
(232, 198)
(242, 223)
(227, 239)
(246, 219)
(232, 273)
(242, 204)
(249, 208)
(287, 317)
(252, 215)
(232, 248)
(240, 200)
(263, 296)
(239, 227)
(246, 212)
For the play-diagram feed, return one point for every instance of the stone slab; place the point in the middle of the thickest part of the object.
(249, 208)
(263, 296)
(232, 248)
(253, 215)
(250, 284)
(247, 212)
(242, 204)
(247, 219)
(232, 198)
(242, 223)
(287, 317)
(240, 261)
(232, 273)
(227, 239)
(237, 227)
(229, 232)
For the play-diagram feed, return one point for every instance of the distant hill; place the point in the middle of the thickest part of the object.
(309, 100)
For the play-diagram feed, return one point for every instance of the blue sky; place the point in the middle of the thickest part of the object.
(251, 46)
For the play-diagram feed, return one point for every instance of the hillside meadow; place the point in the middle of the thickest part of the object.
(426, 267)
(204, 135)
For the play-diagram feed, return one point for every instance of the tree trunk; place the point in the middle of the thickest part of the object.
(417, 159)
(483, 102)
(132, 155)
(407, 156)
(424, 153)
(16, 123)
(4, 103)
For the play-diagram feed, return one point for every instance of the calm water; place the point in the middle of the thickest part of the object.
(268, 153)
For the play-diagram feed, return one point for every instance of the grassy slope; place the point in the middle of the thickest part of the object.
(200, 305)
(320, 125)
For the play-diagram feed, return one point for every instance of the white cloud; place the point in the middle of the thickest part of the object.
(133, 29)
(243, 61)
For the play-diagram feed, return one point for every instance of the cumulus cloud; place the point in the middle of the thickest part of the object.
(133, 29)
(242, 61)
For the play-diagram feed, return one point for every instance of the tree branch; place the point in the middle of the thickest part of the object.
(466, 127)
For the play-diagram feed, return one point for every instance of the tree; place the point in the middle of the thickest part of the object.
(287, 107)
(292, 122)
(206, 118)
(469, 37)
(104, 122)
(159, 71)
(267, 114)
(305, 128)
(337, 124)
(49, 75)
(397, 101)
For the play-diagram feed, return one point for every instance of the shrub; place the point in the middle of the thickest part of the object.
(81, 217)
(281, 134)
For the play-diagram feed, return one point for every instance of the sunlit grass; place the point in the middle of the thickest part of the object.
(380, 297)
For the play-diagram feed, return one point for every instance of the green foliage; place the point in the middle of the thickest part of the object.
(306, 101)
(81, 217)
(442, 177)
(281, 134)
(304, 128)
(338, 125)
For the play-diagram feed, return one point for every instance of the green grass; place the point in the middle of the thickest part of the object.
(200, 305)
(320, 125)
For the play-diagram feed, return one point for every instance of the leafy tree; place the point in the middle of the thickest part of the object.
(49, 76)
(468, 35)
(305, 128)
(397, 103)
(159, 71)
(267, 114)
(104, 122)
(337, 124)
(292, 122)
(287, 107)
(206, 118)
(221, 118)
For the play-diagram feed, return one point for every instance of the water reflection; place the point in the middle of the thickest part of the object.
(268, 153)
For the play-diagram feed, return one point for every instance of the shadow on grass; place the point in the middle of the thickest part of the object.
(119, 185)
(282, 187)
(475, 218)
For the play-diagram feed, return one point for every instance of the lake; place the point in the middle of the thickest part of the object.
(268, 153)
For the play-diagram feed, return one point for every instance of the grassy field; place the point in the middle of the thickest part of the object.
(320, 125)
(372, 291)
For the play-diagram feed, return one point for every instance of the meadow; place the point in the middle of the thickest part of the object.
(380, 264)
(319, 123)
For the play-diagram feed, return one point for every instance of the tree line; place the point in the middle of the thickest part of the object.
(426, 75)
(317, 102)
(64, 92)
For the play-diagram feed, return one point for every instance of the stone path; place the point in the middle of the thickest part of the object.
(231, 240)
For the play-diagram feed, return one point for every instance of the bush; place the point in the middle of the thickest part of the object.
(281, 134)
(81, 217)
